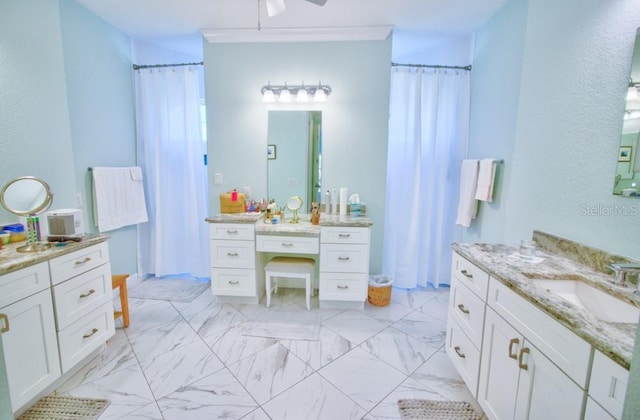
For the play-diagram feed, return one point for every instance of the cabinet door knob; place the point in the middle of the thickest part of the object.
(89, 293)
(463, 309)
(513, 342)
(93, 331)
(5, 320)
(523, 351)
(466, 274)
(459, 353)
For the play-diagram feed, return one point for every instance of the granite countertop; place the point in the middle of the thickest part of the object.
(325, 219)
(12, 260)
(613, 339)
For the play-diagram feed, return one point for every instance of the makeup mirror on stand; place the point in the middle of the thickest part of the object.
(28, 196)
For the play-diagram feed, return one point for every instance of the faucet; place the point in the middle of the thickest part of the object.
(622, 269)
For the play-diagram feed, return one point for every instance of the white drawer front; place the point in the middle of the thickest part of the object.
(287, 244)
(468, 311)
(608, 384)
(233, 254)
(344, 235)
(78, 262)
(568, 351)
(233, 282)
(81, 295)
(22, 283)
(344, 258)
(235, 231)
(343, 286)
(85, 335)
(470, 275)
(464, 355)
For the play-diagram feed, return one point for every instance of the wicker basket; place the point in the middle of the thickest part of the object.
(379, 290)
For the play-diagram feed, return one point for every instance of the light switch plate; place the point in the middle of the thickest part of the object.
(217, 179)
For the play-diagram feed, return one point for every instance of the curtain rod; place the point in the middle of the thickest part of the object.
(433, 66)
(137, 67)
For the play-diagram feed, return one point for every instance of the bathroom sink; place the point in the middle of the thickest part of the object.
(597, 302)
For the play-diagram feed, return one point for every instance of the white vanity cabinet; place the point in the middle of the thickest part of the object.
(233, 260)
(83, 302)
(465, 322)
(607, 389)
(28, 332)
(344, 264)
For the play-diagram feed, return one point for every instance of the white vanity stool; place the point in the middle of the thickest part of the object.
(289, 267)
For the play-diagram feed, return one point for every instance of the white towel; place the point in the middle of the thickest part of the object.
(486, 175)
(118, 197)
(467, 204)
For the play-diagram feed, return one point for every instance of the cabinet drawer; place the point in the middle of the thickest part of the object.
(233, 254)
(233, 282)
(287, 244)
(235, 231)
(568, 351)
(464, 355)
(76, 298)
(471, 276)
(78, 262)
(468, 311)
(344, 258)
(22, 283)
(85, 335)
(343, 286)
(608, 384)
(344, 235)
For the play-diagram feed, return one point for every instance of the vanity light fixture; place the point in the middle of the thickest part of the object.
(302, 93)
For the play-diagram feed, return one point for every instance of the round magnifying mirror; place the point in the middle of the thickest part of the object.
(294, 204)
(26, 196)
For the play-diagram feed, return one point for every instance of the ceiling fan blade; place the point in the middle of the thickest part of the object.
(275, 7)
(318, 2)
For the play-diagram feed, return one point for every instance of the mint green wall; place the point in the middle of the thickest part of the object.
(354, 119)
(67, 104)
(555, 115)
(100, 98)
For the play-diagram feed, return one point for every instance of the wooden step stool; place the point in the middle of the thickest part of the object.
(120, 281)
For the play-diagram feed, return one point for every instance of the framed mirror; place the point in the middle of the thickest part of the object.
(296, 168)
(627, 177)
(26, 196)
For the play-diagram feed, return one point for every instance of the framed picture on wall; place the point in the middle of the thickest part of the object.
(625, 154)
(271, 151)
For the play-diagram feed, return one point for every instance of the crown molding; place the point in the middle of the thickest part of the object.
(357, 33)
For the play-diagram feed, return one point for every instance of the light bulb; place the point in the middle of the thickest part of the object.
(632, 93)
(302, 95)
(320, 96)
(268, 96)
(285, 95)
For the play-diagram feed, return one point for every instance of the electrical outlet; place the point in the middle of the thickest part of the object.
(79, 200)
(217, 179)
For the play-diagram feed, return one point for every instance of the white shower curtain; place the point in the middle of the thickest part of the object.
(428, 136)
(171, 154)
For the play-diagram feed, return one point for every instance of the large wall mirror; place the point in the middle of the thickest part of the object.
(294, 156)
(627, 179)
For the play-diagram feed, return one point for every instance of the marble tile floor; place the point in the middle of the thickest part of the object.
(210, 360)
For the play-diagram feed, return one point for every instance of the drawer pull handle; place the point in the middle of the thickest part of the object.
(287, 244)
(343, 258)
(93, 331)
(89, 293)
(232, 232)
(234, 282)
(344, 235)
(232, 254)
(340, 286)
(523, 351)
(86, 260)
(5, 320)
(463, 309)
(512, 342)
(459, 353)
(466, 274)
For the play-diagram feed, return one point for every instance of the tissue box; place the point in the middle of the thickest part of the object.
(232, 202)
